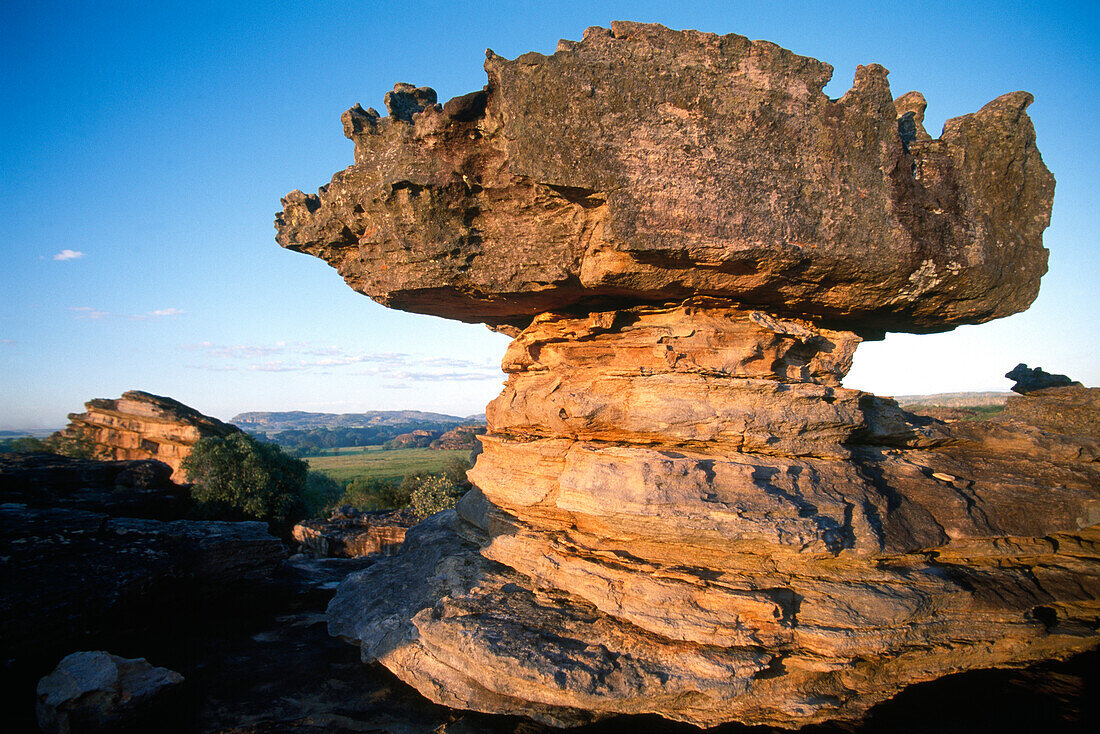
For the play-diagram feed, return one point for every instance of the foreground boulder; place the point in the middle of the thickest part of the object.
(679, 508)
(142, 426)
(99, 692)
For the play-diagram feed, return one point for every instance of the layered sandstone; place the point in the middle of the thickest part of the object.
(139, 425)
(679, 509)
(707, 532)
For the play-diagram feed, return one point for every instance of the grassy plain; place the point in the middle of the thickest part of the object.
(372, 462)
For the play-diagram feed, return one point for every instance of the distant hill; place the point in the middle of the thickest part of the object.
(275, 422)
(955, 399)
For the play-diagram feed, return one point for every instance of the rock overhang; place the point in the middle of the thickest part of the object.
(645, 165)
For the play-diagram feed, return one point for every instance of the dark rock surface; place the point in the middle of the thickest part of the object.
(1031, 379)
(98, 692)
(141, 488)
(75, 580)
(643, 164)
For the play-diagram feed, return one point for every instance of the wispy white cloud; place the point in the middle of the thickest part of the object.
(7, 341)
(87, 312)
(69, 255)
(393, 367)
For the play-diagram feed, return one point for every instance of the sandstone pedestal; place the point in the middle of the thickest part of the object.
(679, 509)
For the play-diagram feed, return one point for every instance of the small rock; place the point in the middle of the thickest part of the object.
(99, 692)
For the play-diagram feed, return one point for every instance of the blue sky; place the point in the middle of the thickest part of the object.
(145, 146)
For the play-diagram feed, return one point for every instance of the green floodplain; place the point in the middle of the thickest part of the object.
(374, 462)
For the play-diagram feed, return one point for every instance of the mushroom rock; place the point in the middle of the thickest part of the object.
(679, 509)
(647, 165)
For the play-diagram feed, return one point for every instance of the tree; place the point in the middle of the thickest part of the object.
(238, 477)
(22, 445)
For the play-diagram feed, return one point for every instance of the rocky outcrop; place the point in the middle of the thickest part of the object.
(74, 579)
(140, 488)
(142, 426)
(460, 438)
(679, 509)
(647, 165)
(349, 533)
(722, 534)
(1028, 379)
(99, 692)
(418, 439)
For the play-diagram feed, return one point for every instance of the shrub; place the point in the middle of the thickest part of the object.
(238, 478)
(321, 493)
(373, 494)
(433, 494)
(22, 445)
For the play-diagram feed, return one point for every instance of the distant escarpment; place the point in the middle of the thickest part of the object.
(142, 426)
(274, 422)
(679, 509)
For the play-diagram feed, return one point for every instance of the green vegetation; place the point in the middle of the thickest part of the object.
(240, 478)
(313, 441)
(434, 494)
(431, 487)
(372, 462)
(56, 444)
(965, 413)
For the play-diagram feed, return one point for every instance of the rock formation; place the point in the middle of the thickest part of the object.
(459, 438)
(349, 533)
(678, 509)
(143, 426)
(1030, 379)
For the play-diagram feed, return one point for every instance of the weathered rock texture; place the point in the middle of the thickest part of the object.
(143, 426)
(679, 509)
(99, 692)
(644, 164)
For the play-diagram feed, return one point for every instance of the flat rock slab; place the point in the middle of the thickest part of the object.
(643, 164)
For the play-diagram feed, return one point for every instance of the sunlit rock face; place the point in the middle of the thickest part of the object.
(679, 509)
(140, 425)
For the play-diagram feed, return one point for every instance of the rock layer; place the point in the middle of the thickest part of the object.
(669, 525)
(143, 426)
(679, 509)
(646, 165)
